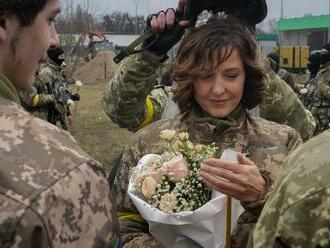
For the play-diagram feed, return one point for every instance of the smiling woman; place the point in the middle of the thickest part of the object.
(218, 78)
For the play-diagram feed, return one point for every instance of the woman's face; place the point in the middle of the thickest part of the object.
(221, 91)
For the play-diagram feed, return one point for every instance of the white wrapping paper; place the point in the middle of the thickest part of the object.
(204, 227)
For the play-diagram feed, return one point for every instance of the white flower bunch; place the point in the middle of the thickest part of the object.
(170, 181)
(204, 17)
(79, 83)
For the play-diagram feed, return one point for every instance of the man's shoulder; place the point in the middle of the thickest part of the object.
(271, 127)
(308, 169)
(36, 153)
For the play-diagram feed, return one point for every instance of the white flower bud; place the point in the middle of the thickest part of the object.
(167, 203)
(167, 134)
(184, 136)
(148, 187)
(79, 83)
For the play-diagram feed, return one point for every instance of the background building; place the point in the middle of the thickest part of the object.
(312, 31)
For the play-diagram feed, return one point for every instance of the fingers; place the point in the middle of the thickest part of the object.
(223, 174)
(231, 166)
(163, 21)
(170, 18)
(243, 160)
(181, 5)
(221, 185)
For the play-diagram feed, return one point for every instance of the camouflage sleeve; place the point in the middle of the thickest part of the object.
(74, 212)
(283, 106)
(134, 231)
(20, 225)
(297, 212)
(322, 82)
(126, 99)
(30, 98)
(294, 141)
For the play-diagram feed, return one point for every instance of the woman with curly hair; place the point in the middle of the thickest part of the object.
(218, 79)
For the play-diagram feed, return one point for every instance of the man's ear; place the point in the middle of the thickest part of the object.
(3, 24)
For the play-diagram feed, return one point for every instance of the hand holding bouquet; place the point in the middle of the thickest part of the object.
(168, 192)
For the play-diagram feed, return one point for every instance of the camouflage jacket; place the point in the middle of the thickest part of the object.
(38, 99)
(52, 194)
(267, 143)
(322, 91)
(133, 100)
(297, 213)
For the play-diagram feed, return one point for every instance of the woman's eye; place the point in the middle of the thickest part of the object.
(206, 77)
(232, 76)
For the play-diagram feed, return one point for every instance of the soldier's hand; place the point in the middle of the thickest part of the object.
(170, 31)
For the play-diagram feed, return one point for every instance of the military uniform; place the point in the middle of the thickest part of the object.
(297, 213)
(321, 99)
(38, 98)
(50, 74)
(133, 100)
(307, 97)
(267, 144)
(52, 194)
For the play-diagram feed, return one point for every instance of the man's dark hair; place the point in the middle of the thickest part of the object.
(25, 10)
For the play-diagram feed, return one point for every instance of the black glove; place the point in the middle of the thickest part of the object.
(75, 97)
(166, 39)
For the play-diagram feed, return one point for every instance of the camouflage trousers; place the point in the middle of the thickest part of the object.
(322, 118)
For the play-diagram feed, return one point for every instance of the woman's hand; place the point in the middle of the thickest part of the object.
(241, 180)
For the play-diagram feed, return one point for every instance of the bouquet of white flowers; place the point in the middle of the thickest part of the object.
(169, 193)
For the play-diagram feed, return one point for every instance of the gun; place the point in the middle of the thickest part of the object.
(252, 11)
(63, 95)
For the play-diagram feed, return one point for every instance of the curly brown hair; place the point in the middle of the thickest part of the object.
(195, 59)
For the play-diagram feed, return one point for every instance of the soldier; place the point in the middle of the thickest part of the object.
(133, 99)
(213, 96)
(274, 59)
(321, 97)
(307, 94)
(51, 75)
(297, 213)
(38, 99)
(52, 194)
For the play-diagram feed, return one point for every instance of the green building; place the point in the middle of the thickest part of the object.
(312, 31)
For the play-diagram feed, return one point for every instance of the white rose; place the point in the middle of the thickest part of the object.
(184, 136)
(167, 203)
(148, 187)
(167, 134)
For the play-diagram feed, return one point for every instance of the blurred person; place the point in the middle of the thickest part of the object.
(283, 74)
(321, 97)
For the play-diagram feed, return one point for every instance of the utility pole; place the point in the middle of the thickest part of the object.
(282, 9)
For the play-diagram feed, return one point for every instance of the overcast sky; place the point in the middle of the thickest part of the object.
(292, 8)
